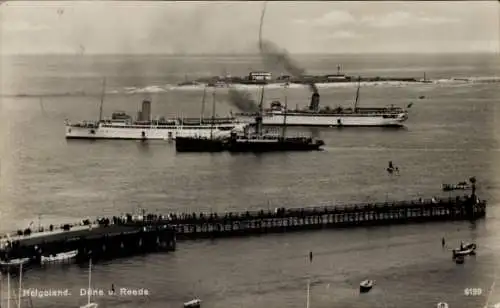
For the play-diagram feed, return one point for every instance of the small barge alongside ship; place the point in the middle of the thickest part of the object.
(246, 141)
(200, 144)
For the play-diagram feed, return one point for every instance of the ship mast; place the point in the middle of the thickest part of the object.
(102, 98)
(8, 290)
(258, 119)
(357, 94)
(308, 294)
(283, 131)
(203, 104)
(213, 116)
(20, 284)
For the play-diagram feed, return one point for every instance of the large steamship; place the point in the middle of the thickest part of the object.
(123, 126)
(314, 116)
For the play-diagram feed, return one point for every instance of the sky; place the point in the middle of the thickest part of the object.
(130, 27)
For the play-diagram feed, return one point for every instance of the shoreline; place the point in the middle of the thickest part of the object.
(164, 88)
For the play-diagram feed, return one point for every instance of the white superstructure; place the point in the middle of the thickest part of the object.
(376, 118)
(155, 130)
(121, 126)
(313, 116)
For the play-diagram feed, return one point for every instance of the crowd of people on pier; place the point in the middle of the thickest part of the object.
(281, 212)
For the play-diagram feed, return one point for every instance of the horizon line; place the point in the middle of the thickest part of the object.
(243, 54)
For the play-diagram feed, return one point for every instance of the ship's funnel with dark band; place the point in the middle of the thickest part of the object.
(314, 106)
(146, 110)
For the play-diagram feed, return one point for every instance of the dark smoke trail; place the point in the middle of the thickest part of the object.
(273, 56)
(261, 25)
(243, 101)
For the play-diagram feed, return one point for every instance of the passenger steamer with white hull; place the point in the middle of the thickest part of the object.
(313, 116)
(122, 126)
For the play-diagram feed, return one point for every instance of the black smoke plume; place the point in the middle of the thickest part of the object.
(274, 56)
(243, 101)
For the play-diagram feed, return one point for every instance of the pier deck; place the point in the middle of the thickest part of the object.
(106, 241)
(75, 233)
(117, 237)
(194, 226)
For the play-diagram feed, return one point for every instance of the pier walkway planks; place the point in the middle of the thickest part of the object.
(124, 236)
(193, 226)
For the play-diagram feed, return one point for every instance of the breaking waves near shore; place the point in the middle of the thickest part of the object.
(201, 86)
(170, 87)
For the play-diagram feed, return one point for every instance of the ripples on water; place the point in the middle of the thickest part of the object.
(451, 135)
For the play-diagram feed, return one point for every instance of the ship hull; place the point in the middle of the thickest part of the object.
(328, 121)
(236, 146)
(189, 144)
(152, 133)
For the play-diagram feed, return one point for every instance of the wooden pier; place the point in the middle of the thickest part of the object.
(125, 236)
(195, 226)
(102, 242)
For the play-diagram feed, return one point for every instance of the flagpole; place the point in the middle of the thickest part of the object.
(308, 291)
(8, 288)
(309, 280)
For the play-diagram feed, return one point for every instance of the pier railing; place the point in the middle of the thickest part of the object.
(282, 219)
(355, 214)
(45, 230)
(179, 218)
(126, 235)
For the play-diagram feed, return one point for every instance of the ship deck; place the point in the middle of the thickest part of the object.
(376, 113)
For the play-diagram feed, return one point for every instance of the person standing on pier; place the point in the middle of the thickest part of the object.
(443, 242)
(310, 256)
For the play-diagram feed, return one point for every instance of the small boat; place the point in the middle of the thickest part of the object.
(63, 256)
(13, 262)
(459, 186)
(366, 285)
(466, 250)
(460, 259)
(195, 303)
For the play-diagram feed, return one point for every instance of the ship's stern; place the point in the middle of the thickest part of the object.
(81, 131)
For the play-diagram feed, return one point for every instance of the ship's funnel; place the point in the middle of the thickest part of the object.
(314, 106)
(146, 110)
